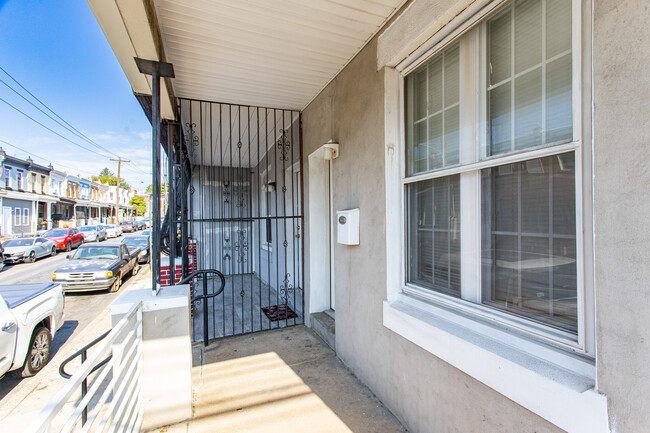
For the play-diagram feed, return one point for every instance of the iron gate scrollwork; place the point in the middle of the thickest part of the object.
(245, 213)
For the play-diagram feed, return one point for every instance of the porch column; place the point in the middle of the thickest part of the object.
(156, 70)
(48, 215)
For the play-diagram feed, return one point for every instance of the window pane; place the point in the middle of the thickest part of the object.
(529, 264)
(528, 34)
(420, 95)
(559, 115)
(435, 86)
(452, 76)
(434, 234)
(435, 142)
(439, 117)
(537, 91)
(452, 136)
(558, 24)
(500, 119)
(528, 110)
(500, 43)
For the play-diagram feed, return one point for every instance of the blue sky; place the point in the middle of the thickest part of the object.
(56, 49)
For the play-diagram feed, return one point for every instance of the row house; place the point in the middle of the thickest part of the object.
(24, 191)
(458, 189)
(36, 198)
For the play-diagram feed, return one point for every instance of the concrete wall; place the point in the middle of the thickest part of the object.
(621, 73)
(427, 394)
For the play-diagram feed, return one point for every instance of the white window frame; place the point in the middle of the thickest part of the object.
(18, 216)
(497, 348)
(7, 176)
(26, 216)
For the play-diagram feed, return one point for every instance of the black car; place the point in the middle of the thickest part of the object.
(142, 242)
(97, 267)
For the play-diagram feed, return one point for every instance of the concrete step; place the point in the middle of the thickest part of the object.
(324, 326)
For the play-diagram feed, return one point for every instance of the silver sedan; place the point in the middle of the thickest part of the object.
(27, 249)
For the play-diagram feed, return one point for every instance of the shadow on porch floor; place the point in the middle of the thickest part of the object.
(284, 380)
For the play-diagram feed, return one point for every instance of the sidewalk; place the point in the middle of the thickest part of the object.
(284, 380)
(34, 393)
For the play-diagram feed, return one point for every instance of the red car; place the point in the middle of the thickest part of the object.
(65, 239)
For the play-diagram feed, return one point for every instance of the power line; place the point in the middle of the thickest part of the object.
(38, 156)
(59, 123)
(52, 131)
(71, 128)
(74, 130)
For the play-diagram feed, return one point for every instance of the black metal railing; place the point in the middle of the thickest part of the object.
(204, 296)
(83, 352)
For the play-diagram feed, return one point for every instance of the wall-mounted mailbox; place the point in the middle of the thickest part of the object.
(347, 223)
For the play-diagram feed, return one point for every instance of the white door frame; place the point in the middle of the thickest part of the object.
(321, 276)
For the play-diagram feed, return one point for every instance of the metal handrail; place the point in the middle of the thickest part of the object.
(205, 295)
(114, 394)
(83, 352)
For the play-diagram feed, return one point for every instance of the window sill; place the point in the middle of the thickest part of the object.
(561, 391)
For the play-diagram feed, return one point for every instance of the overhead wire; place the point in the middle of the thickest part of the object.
(41, 157)
(69, 127)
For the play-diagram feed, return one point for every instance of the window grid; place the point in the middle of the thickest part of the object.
(520, 234)
(511, 80)
(428, 116)
(557, 147)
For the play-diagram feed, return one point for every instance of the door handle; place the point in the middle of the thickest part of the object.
(8, 326)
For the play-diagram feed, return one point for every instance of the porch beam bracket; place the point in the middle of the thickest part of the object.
(157, 70)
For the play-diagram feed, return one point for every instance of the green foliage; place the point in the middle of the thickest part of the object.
(108, 178)
(163, 188)
(140, 204)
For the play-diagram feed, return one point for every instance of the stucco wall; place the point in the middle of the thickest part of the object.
(621, 70)
(427, 394)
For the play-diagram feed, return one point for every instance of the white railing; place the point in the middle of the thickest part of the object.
(113, 401)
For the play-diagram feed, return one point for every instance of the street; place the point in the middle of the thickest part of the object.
(80, 310)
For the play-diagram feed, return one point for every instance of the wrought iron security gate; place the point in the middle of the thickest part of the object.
(245, 213)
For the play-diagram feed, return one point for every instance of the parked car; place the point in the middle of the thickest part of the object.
(30, 315)
(140, 225)
(27, 249)
(127, 226)
(146, 233)
(93, 233)
(111, 231)
(97, 267)
(65, 239)
(142, 242)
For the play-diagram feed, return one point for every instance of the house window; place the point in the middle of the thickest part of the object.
(42, 184)
(19, 180)
(17, 216)
(7, 176)
(491, 209)
(25, 216)
(33, 182)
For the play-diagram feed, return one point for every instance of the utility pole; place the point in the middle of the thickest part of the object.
(119, 161)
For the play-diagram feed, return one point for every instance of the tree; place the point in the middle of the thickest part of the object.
(163, 188)
(108, 178)
(140, 204)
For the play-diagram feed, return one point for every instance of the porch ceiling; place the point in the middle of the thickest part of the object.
(265, 53)
(278, 53)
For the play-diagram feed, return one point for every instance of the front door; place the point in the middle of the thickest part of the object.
(6, 220)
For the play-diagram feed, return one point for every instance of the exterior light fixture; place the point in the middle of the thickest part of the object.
(331, 150)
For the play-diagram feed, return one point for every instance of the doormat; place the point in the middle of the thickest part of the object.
(279, 312)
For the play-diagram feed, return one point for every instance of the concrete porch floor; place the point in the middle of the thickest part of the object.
(284, 380)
